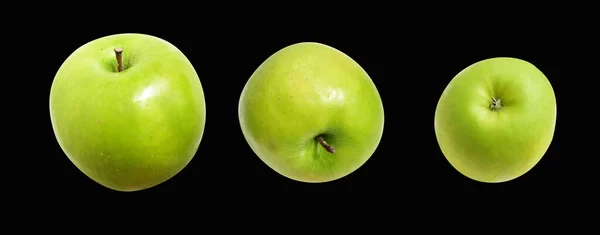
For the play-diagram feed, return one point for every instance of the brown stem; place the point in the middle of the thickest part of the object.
(119, 53)
(327, 147)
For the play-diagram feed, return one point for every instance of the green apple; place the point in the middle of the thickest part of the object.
(311, 113)
(496, 119)
(128, 110)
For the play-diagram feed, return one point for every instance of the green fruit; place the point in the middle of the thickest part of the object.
(311, 113)
(132, 129)
(496, 119)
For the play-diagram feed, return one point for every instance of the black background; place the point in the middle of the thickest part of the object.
(410, 63)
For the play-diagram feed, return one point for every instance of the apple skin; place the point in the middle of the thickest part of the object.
(128, 130)
(300, 92)
(494, 146)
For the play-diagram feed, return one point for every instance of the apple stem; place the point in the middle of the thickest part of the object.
(327, 147)
(119, 54)
(496, 104)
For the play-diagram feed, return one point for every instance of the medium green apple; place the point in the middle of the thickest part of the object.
(128, 110)
(496, 119)
(311, 113)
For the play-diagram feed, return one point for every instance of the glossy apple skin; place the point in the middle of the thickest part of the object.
(131, 130)
(502, 145)
(300, 92)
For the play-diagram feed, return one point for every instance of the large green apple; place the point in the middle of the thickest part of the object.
(496, 119)
(311, 113)
(128, 110)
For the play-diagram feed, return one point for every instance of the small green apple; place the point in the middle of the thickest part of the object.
(311, 113)
(128, 110)
(496, 119)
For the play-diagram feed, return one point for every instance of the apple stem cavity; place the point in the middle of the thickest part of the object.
(323, 143)
(496, 104)
(119, 54)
